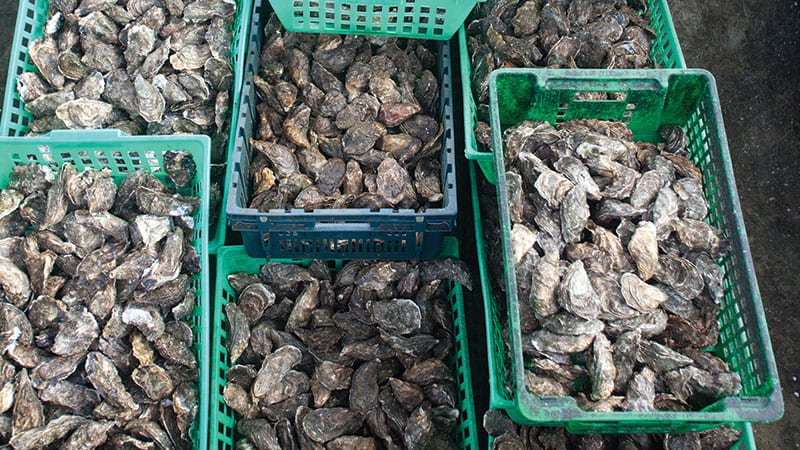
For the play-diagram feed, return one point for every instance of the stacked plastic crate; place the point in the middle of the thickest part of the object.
(16, 120)
(122, 154)
(337, 235)
(644, 100)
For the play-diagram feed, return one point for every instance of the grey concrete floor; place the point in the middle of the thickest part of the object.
(753, 49)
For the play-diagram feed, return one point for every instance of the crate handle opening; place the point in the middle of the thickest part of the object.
(600, 83)
(600, 96)
(339, 226)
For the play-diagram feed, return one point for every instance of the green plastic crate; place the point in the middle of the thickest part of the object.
(496, 350)
(123, 154)
(223, 418)
(421, 19)
(653, 97)
(31, 17)
(665, 53)
(745, 442)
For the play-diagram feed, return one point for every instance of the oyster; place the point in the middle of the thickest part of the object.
(576, 293)
(84, 113)
(602, 370)
(643, 248)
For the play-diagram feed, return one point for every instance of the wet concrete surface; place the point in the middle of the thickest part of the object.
(753, 49)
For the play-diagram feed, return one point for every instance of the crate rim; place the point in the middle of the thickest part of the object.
(299, 28)
(774, 401)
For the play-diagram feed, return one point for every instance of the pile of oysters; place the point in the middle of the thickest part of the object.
(156, 67)
(95, 294)
(555, 34)
(143, 66)
(356, 359)
(617, 279)
(509, 436)
(346, 122)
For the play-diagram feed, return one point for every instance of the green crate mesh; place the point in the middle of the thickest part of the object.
(496, 349)
(223, 419)
(646, 100)
(421, 19)
(123, 155)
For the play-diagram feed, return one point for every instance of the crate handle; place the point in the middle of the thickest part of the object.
(347, 227)
(87, 135)
(606, 85)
